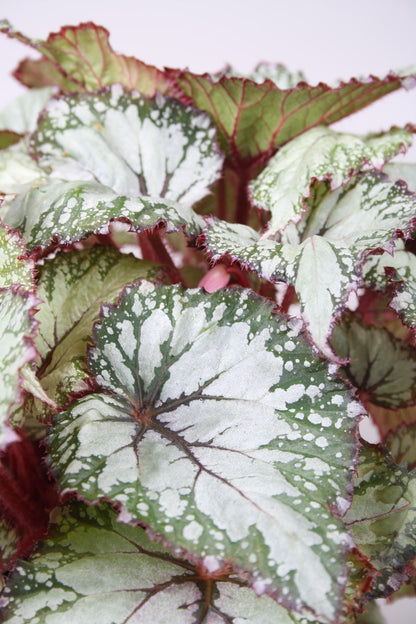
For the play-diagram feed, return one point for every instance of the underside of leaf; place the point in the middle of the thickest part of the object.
(80, 58)
(255, 119)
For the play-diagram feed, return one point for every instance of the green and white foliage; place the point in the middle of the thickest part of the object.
(382, 517)
(112, 155)
(318, 154)
(402, 445)
(324, 267)
(94, 569)
(179, 446)
(21, 115)
(67, 212)
(274, 72)
(134, 145)
(18, 171)
(399, 269)
(72, 287)
(16, 350)
(402, 171)
(378, 363)
(15, 268)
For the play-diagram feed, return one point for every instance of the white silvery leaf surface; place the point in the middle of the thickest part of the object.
(214, 424)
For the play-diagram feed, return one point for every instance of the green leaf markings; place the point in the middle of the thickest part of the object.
(66, 212)
(382, 516)
(180, 446)
(15, 267)
(378, 363)
(325, 265)
(94, 569)
(134, 145)
(80, 58)
(16, 350)
(318, 154)
(255, 119)
(398, 269)
(72, 287)
(111, 155)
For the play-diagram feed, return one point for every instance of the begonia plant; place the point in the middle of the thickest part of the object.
(203, 290)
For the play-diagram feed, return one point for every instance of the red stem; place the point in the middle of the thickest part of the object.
(153, 248)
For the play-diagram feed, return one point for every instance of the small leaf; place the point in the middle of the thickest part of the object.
(8, 545)
(398, 269)
(21, 115)
(325, 265)
(16, 349)
(180, 446)
(402, 445)
(73, 286)
(379, 364)
(80, 58)
(111, 573)
(318, 154)
(382, 517)
(255, 119)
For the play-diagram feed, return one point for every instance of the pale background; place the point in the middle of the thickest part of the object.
(326, 39)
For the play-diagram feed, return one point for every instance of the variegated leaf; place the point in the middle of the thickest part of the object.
(132, 144)
(72, 287)
(402, 445)
(319, 154)
(402, 171)
(80, 58)
(16, 349)
(8, 545)
(397, 268)
(66, 212)
(325, 266)
(18, 171)
(216, 426)
(275, 72)
(255, 119)
(21, 115)
(379, 365)
(15, 268)
(382, 517)
(111, 573)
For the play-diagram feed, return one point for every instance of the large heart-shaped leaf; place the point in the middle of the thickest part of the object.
(80, 58)
(325, 266)
(214, 424)
(111, 573)
(253, 119)
(382, 517)
(134, 145)
(72, 287)
(112, 155)
(319, 154)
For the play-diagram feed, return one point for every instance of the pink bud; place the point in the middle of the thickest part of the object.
(216, 278)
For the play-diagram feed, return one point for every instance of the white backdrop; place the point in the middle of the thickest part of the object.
(327, 39)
